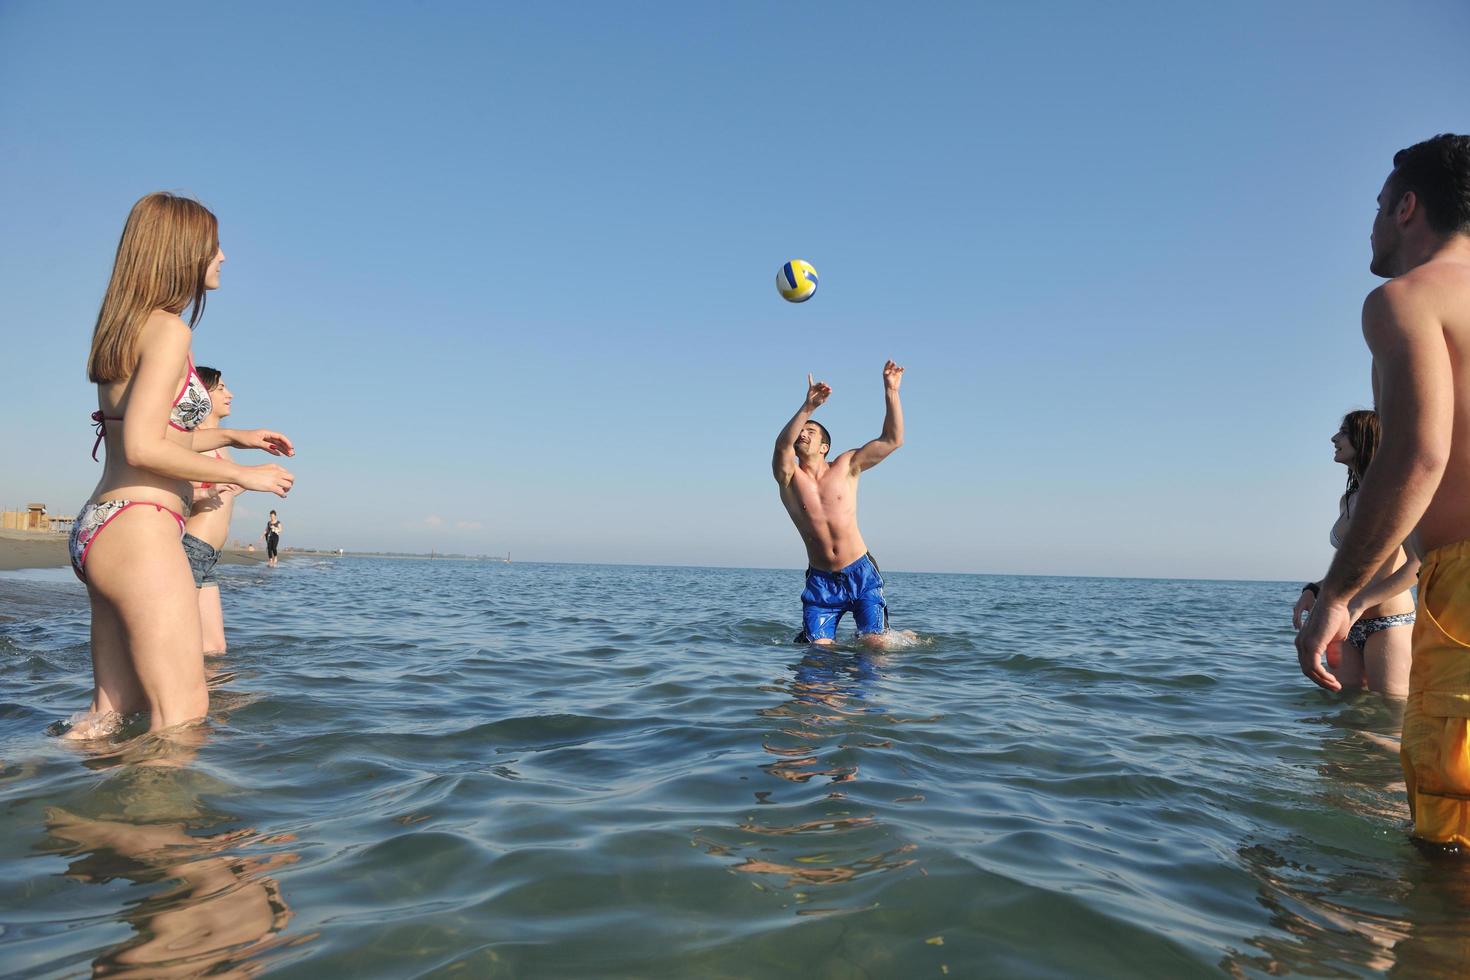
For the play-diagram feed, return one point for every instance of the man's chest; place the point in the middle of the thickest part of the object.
(834, 491)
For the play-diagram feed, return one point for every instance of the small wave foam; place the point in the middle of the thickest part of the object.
(84, 725)
(891, 640)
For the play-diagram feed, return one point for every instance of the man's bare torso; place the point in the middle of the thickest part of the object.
(1440, 290)
(824, 509)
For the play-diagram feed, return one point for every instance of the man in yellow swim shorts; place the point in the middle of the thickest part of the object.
(1417, 326)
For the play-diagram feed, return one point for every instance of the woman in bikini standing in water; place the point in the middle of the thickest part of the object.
(125, 544)
(208, 526)
(1376, 654)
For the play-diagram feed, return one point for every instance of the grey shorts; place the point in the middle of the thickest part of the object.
(201, 562)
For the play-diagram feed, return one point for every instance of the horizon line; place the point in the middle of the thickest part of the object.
(458, 556)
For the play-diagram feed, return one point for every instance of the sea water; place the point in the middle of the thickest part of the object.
(483, 769)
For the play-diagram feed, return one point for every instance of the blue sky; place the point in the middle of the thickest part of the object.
(505, 272)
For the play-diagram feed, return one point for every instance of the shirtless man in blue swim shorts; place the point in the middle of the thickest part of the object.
(821, 497)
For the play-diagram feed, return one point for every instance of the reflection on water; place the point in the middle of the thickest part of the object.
(1410, 918)
(822, 733)
(1438, 939)
(495, 771)
(828, 691)
(210, 906)
(1388, 907)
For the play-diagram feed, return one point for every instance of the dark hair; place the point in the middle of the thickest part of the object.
(1362, 431)
(1438, 172)
(826, 436)
(208, 375)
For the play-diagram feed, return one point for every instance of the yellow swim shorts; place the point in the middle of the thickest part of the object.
(1436, 745)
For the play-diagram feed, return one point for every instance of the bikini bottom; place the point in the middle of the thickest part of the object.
(96, 516)
(1359, 632)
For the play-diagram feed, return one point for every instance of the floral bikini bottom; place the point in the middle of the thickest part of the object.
(96, 516)
(1359, 632)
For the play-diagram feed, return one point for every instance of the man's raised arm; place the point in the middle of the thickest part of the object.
(1411, 365)
(879, 449)
(783, 461)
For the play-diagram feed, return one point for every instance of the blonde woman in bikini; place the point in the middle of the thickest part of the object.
(208, 526)
(1376, 654)
(147, 654)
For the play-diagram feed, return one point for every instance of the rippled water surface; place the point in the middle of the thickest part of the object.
(481, 769)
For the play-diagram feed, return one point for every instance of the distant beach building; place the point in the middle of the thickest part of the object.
(35, 520)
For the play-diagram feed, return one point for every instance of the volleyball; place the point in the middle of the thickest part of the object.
(797, 281)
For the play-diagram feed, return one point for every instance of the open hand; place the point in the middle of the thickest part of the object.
(817, 392)
(892, 375)
(1327, 626)
(268, 478)
(272, 442)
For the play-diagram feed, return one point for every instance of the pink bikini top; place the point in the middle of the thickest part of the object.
(191, 406)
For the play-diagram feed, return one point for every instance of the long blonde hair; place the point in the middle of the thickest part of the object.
(162, 258)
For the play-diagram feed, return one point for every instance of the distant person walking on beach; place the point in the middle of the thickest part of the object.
(1417, 326)
(146, 642)
(272, 537)
(208, 526)
(821, 498)
(1376, 654)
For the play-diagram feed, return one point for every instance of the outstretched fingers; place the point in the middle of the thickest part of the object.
(277, 444)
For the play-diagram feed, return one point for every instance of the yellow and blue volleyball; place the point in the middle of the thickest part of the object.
(797, 281)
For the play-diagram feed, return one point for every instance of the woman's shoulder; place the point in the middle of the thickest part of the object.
(165, 329)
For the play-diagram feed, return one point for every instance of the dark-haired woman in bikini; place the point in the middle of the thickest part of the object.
(1376, 654)
(208, 527)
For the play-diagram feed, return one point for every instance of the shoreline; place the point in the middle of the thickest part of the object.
(25, 549)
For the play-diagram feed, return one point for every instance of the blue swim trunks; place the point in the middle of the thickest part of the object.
(857, 589)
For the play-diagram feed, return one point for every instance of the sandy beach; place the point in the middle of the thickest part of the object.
(19, 549)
